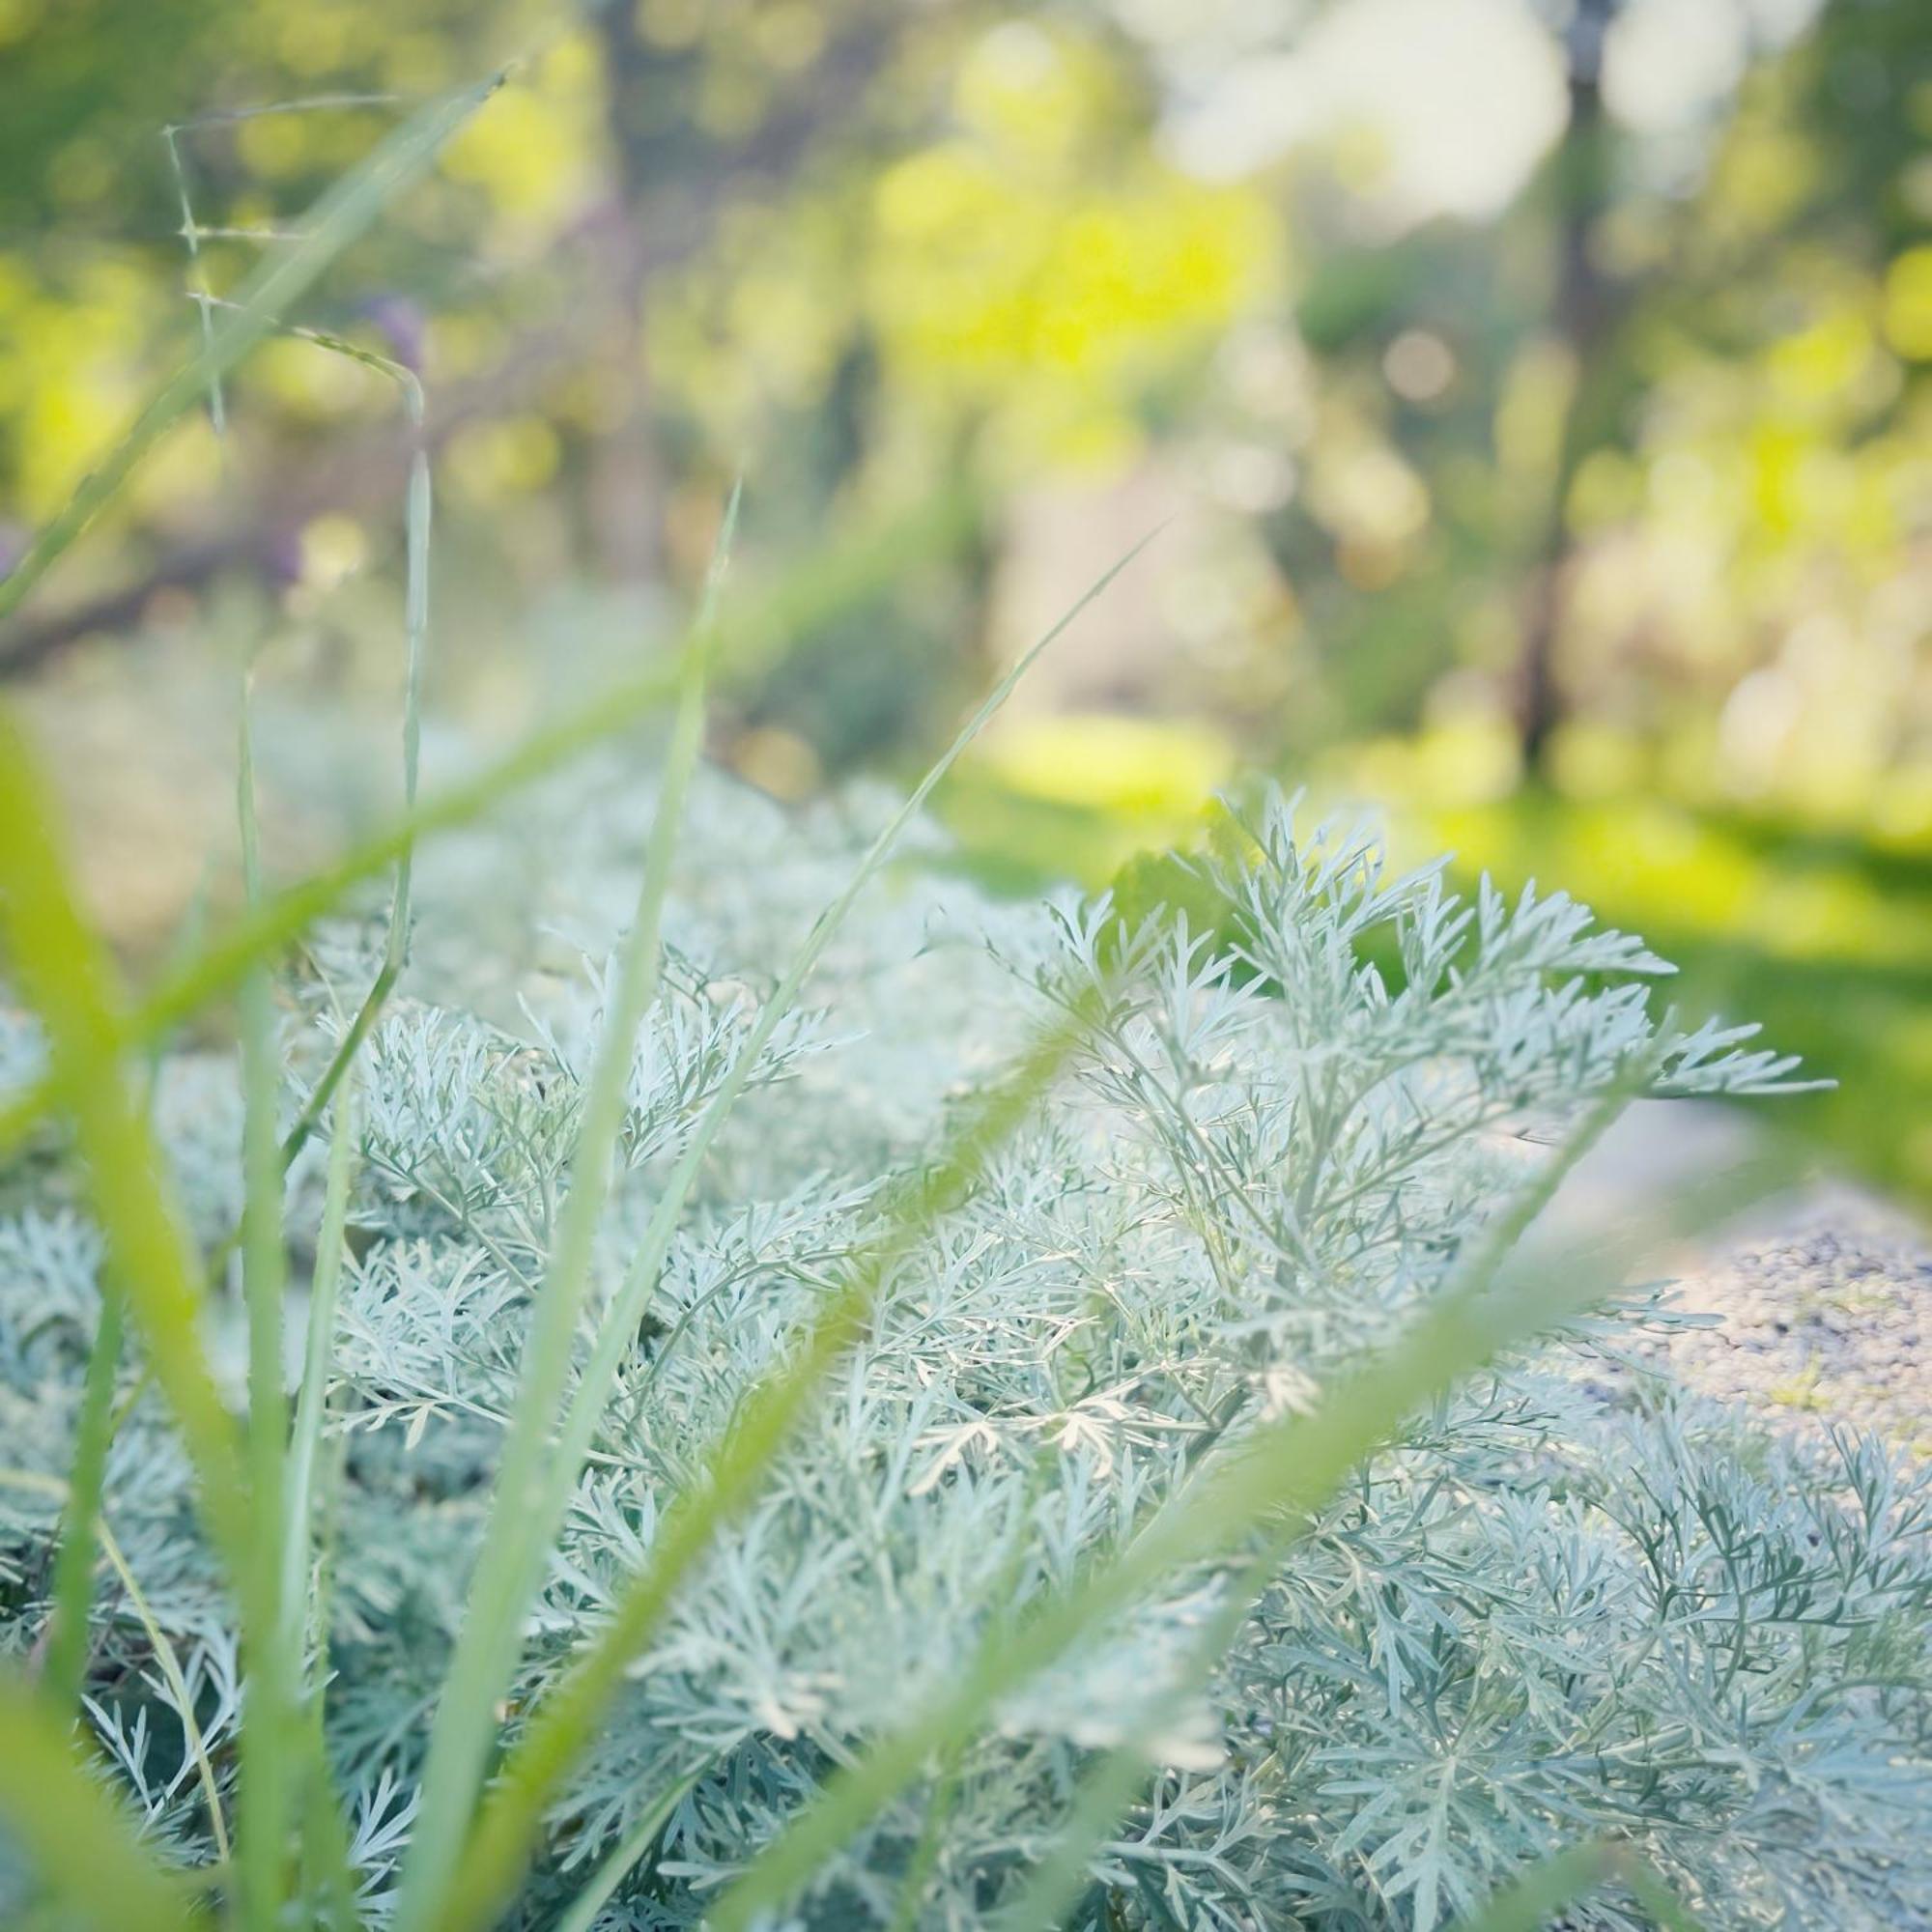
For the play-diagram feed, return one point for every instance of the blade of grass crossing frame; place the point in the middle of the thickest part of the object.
(1107, 1787)
(67, 976)
(165, 1659)
(811, 594)
(1321, 1453)
(510, 1565)
(1533, 1900)
(735, 1471)
(79, 1842)
(415, 605)
(341, 213)
(1111, 1780)
(267, 1746)
(620, 1321)
(945, 1784)
(1103, 1793)
(73, 1560)
(305, 1441)
(170, 1668)
(633, 1297)
(925, 1858)
(95, 1433)
(328, 1881)
(1285, 1470)
(416, 626)
(1315, 1450)
(198, 289)
(623, 1860)
(1567, 1878)
(545, 1500)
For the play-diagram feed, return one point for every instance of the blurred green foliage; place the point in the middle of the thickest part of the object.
(1586, 515)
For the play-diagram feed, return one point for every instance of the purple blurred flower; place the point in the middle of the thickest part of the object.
(404, 325)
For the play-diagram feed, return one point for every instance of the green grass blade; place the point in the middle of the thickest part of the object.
(66, 974)
(73, 1560)
(78, 1840)
(164, 1652)
(197, 278)
(268, 1747)
(510, 1565)
(1534, 1899)
(1108, 1785)
(1566, 1878)
(328, 1881)
(1103, 1794)
(924, 1859)
(946, 1784)
(630, 1303)
(735, 1472)
(1643, 1882)
(415, 601)
(94, 1433)
(416, 627)
(1280, 1475)
(618, 1865)
(306, 1442)
(544, 1506)
(337, 219)
(811, 595)
(171, 1671)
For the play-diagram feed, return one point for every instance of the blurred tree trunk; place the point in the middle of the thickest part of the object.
(1584, 314)
(626, 486)
(671, 183)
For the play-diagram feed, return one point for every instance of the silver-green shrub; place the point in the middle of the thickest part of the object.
(1566, 1603)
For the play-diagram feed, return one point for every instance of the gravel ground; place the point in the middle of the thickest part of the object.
(1821, 1320)
(1823, 1297)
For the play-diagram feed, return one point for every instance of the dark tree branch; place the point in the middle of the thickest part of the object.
(631, 236)
(1585, 316)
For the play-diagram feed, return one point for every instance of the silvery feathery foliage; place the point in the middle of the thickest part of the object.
(1561, 1604)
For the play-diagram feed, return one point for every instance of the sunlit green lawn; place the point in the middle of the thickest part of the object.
(1825, 938)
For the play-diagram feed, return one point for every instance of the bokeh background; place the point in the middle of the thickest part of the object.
(1536, 396)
